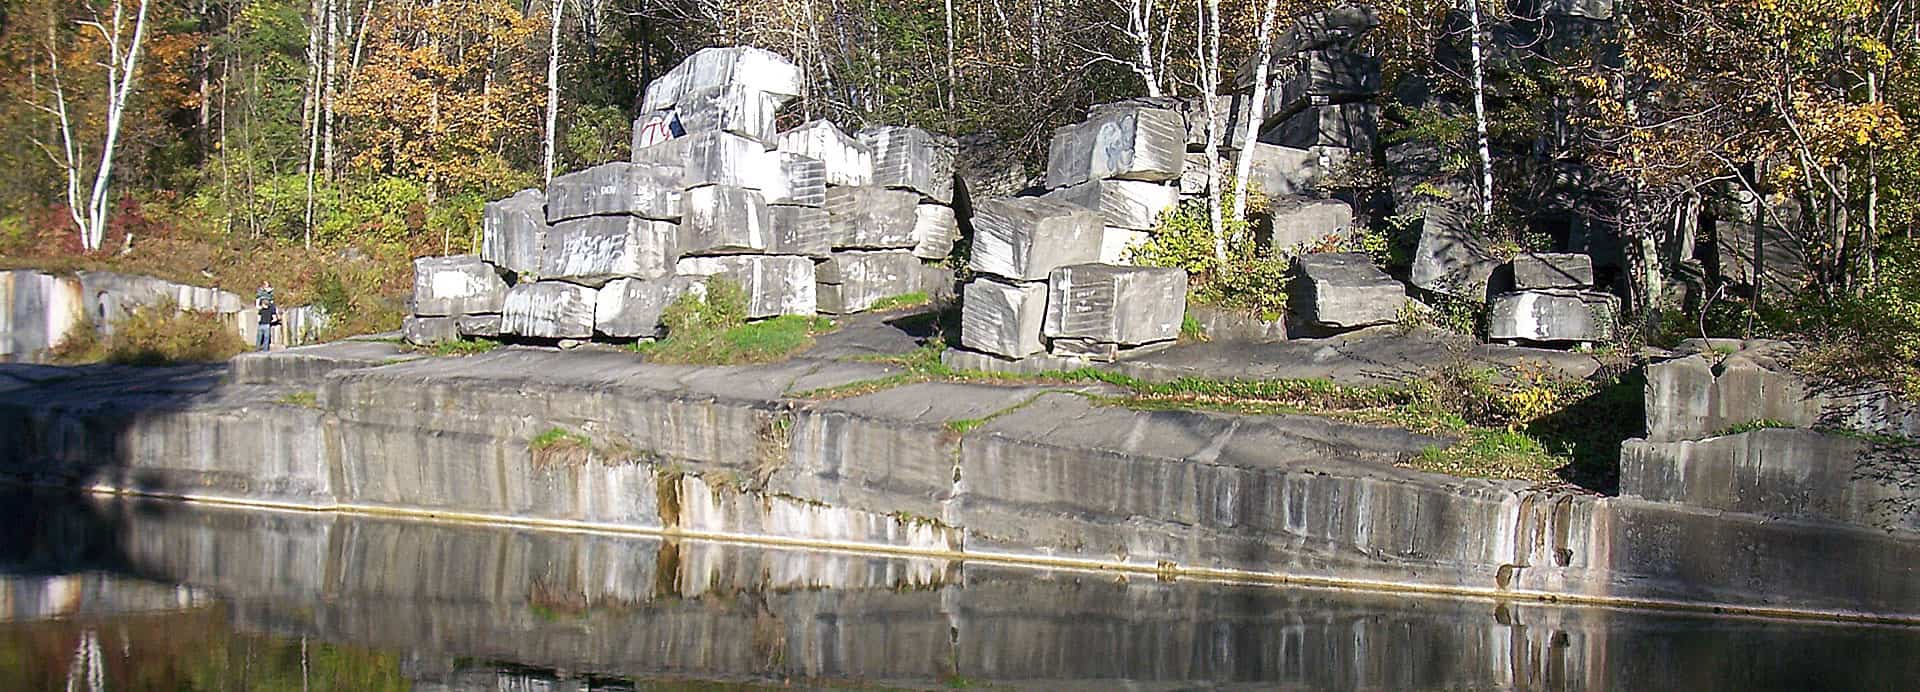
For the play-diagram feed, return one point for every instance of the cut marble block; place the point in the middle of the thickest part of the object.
(909, 158)
(1128, 143)
(1297, 221)
(872, 217)
(1349, 125)
(1025, 238)
(712, 158)
(934, 230)
(732, 108)
(1119, 305)
(750, 68)
(1117, 244)
(655, 128)
(1552, 270)
(456, 285)
(1452, 256)
(549, 310)
(792, 179)
(1279, 170)
(847, 160)
(1553, 315)
(853, 281)
(805, 231)
(1315, 31)
(478, 325)
(1131, 204)
(1003, 318)
(1343, 290)
(1320, 78)
(513, 231)
(775, 284)
(427, 331)
(632, 189)
(630, 308)
(596, 249)
(1193, 178)
(723, 219)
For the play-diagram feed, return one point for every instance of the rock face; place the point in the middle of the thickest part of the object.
(731, 108)
(723, 219)
(806, 231)
(1556, 315)
(1552, 270)
(847, 161)
(644, 190)
(934, 229)
(711, 68)
(775, 284)
(872, 217)
(1345, 291)
(1727, 383)
(1279, 170)
(1348, 125)
(1106, 304)
(909, 158)
(1128, 143)
(456, 285)
(628, 308)
(596, 249)
(549, 310)
(1782, 472)
(1313, 32)
(1321, 78)
(1450, 257)
(853, 281)
(427, 331)
(794, 179)
(1025, 238)
(1296, 221)
(513, 232)
(1003, 318)
(1130, 204)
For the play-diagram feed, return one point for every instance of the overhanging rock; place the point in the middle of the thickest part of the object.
(645, 190)
(456, 285)
(872, 217)
(1130, 204)
(1026, 238)
(628, 308)
(513, 231)
(1345, 291)
(596, 249)
(853, 281)
(1553, 316)
(549, 310)
(1117, 305)
(1130, 143)
(733, 108)
(847, 160)
(775, 284)
(1003, 318)
(909, 158)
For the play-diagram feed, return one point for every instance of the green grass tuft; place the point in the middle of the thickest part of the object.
(907, 300)
(300, 398)
(713, 330)
(462, 347)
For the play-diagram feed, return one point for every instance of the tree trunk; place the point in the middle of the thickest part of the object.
(1210, 84)
(553, 85)
(1480, 110)
(1257, 112)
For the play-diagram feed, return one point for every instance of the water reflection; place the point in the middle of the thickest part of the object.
(159, 596)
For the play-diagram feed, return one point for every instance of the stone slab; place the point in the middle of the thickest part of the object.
(909, 158)
(731, 108)
(427, 331)
(549, 310)
(1130, 204)
(1781, 472)
(596, 249)
(1118, 305)
(513, 231)
(1552, 270)
(1451, 256)
(723, 219)
(304, 365)
(1346, 291)
(1293, 222)
(847, 160)
(1025, 238)
(456, 285)
(739, 66)
(872, 217)
(805, 231)
(645, 190)
(1348, 125)
(1124, 143)
(631, 308)
(1003, 318)
(852, 281)
(775, 284)
(1557, 315)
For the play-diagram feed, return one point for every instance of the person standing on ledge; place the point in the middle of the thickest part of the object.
(269, 315)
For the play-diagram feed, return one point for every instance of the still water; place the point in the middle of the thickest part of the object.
(122, 595)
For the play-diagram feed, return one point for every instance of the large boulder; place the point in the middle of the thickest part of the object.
(847, 160)
(724, 158)
(1329, 28)
(427, 331)
(723, 219)
(1552, 270)
(645, 190)
(775, 284)
(630, 308)
(732, 108)
(1130, 143)
(1026, 238)
(513, 231)
(909, 158)
(1131, 204)
(872, 217)
(1553, 315)
(853, 281)
(1108, 304)
(750, 68)
(1451, 256)
(1344, 290)
(1003, 318)
(456, 285)
(1296, 221)
(549, 310)
(596, 249)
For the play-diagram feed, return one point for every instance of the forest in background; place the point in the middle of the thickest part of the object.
(323, 143)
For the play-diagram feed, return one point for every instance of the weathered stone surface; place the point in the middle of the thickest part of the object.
(1348, 125)
(1025, 238)
(1450, 256)
(1118, 244)
(37, 310)
(634, 189)
(1228, 325)
(1280, 171)
(804, 231)
(477, 325)
(1344, 291)
(793, 179)
(853, 281)
(709, 68)
(306, 365)
(847, 160)
(1317, 31)
(775, 284)
(732, 108)
(595, 249)
(1781, 472)
(1553, 315)
(549, 310)
(654, 128)
(1126, 143)
(628, 308)
(872, 217)
(909, 158)
(456, 285)
(1297, 221)
(1533, 270)
(513, 231)
(1133, 204)
(1193, 178)
(1003, 319)
(427, 331)
(724, 158)
(1083, 349)
(1121, 305)
(1727, 383)
(110, 296)
(723, 219)
(1753, 246)
(934, 230)
(1320, 78)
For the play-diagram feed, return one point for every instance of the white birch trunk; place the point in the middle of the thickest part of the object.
(1480, 111)
(1210, 85)
(1257, 113)
(553, 84)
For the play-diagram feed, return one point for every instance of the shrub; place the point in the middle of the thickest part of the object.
(1250, 279)
(155, 334)
(713, 330)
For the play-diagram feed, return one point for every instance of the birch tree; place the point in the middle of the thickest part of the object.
(553, 84)
(122, 63)
(1243, 169)
(1479, 78)
(1208, 40)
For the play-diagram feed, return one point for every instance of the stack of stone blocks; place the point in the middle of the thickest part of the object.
(806, 221)
(1553, 302)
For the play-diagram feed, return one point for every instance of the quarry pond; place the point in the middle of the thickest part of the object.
(122, 594)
